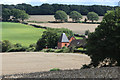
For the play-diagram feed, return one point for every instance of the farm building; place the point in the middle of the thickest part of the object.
(70, 41)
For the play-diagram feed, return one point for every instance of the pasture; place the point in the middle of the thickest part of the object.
(20, 33)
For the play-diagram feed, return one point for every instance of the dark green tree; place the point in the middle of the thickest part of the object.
(6, 14)
(19, 14)
(23, 15)
(105, 41)
(49, 39)
(46, 9)
(76, 16)
(61, 15)
(92, 16)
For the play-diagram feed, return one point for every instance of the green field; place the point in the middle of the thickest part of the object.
(20, 33)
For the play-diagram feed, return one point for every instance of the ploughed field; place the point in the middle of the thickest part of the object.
(28, 62)
(79, 28)
(20, 33)
(45, 18)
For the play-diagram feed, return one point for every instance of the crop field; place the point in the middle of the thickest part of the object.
(45, 18)
(20, 33)
(78, 28)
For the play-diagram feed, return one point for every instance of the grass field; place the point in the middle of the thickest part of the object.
(20, 33)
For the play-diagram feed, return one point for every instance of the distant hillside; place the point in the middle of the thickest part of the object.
(50, 9)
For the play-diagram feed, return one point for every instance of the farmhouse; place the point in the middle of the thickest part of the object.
(70, 41)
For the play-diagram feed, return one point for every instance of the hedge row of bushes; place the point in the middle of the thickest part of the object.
(8, 47)
(64, 50)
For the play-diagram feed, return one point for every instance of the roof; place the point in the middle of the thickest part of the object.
(70, 37)
(63, 38)
(78, 43)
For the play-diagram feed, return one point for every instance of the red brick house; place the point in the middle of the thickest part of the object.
(70, 41)
(63, 41)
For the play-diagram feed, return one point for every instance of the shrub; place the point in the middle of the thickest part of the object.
(31, 49)
(58, 50)
(65, 50)
(87, 32)
(55, 69)
(6, 45)
(48, 50)
(17, 45)
(19, 49)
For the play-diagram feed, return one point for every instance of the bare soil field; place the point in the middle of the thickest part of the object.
(78, 28)
(45, 18)
(26, 62)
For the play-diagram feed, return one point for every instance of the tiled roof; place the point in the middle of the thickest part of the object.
(63, 38)
(78, 43)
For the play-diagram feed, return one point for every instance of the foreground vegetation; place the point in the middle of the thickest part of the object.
(103, 45)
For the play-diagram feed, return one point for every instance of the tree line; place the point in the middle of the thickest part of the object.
(50, 9)
(61, 16)
(14, 15)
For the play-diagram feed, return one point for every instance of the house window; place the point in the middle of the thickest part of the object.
(65, 44)
(78, 42)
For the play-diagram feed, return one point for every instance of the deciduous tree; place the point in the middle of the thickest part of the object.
(75, 16)
(105, 41)
(92, 16)
(6, 14)
(61, 15)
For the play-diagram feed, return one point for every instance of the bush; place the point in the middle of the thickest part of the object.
(63, 50)
(48, 50)
(87, 32)
(31, 49)
(55, 69)
(19, 49)
(59, 51)
(6, 45)
(17, 45)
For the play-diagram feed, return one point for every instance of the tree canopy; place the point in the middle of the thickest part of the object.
(92, 16)
(50, 37)
(16, 14)
(104, 43)
(50, 9)
(6, 14)
(75, 16)
(19, 14)
(61, 15)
